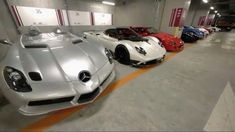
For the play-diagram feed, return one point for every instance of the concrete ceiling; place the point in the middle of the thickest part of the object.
(225, 7)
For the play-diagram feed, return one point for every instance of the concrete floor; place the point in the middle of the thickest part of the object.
(192, 91)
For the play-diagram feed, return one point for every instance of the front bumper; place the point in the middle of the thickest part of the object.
(175, 47)
(51, 96)
(71, 101)
(149, 62)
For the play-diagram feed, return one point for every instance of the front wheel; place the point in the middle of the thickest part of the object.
(122, 55)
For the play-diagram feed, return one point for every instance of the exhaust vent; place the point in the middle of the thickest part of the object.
(50, 101)
(77, 41)
(35, 76)
(36, 46)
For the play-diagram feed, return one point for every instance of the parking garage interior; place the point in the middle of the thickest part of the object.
(189, 88)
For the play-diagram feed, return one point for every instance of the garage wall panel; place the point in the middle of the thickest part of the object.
(62, 5)
(138, 12)
(102, 18)
(81, 18)
(90, 6)
(36, 16)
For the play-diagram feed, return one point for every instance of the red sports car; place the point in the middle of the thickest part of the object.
(170, 42)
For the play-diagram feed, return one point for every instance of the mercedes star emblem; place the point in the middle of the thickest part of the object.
(84, 76)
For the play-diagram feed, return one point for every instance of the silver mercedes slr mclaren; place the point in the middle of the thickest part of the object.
(44, 72)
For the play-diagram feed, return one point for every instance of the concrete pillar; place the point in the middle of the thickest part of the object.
(166, 18)
(198, 13)
(201, 14)
(3, 34)
(7, 26)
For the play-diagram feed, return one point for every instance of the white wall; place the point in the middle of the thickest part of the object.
(81, 5)
(93, 6)
(138, 12)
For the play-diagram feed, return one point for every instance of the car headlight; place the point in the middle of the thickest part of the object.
(140, 50)
(16, 80)
(109, 55)
(191, 33)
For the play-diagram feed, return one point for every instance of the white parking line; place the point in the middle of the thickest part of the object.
(222, 117)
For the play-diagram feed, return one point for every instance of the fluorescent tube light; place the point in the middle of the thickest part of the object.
(108, 3)
(205, 1)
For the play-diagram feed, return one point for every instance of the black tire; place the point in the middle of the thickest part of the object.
(122, 55)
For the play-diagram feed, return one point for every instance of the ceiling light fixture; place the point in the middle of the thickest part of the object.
(216, 11)
(108, 3)
(205, 1)
(212, 8)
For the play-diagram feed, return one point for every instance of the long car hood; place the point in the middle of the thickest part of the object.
(167, 37)
(62, 63)
(151, 47)
(163, 36)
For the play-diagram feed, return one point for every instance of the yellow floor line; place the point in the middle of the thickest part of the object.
(60, 115)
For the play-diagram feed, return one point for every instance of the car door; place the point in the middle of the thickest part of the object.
(108, 37)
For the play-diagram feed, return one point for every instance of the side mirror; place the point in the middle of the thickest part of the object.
(5, 41)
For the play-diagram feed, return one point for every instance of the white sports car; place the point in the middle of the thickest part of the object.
(44, 72)
(206, 33)
(128, 47)
(216, 29)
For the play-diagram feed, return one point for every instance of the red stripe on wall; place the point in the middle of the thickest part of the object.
(15, 15)
(19, 16)
(62, 14)
(178, 17)
(92, 18)
(60, 17)
(171, 18)
(58, 20)
(174, 17)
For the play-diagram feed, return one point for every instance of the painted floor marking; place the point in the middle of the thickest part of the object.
(222, 117)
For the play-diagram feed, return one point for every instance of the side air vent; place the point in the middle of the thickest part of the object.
(77, 41)
(50, 101)
(36, 46)
(35, 76)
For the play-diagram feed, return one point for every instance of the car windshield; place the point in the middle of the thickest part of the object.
(141, 30)
(144, 30)
(125, 33)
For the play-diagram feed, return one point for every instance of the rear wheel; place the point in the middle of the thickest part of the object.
(122, 55)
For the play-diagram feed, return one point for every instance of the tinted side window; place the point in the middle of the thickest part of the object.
(111, 33)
